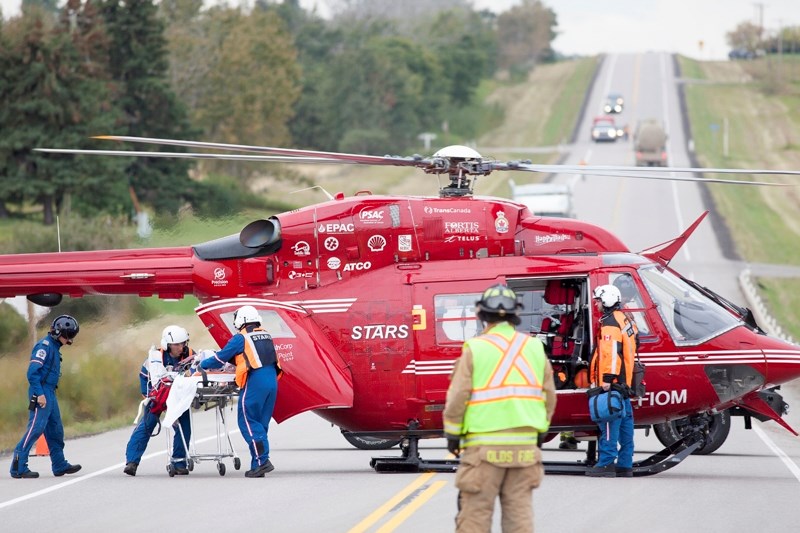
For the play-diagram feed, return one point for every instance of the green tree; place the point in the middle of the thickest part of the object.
(746, 36)
(140, 65)
(525, 34)
(393, 90)
(55, 93)
(239, 74)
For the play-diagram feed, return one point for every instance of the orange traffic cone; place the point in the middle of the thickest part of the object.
(41, 447)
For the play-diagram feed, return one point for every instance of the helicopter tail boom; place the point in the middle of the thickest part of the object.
(45, 277)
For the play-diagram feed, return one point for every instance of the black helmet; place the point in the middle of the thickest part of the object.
(65, 325)
(499, 300)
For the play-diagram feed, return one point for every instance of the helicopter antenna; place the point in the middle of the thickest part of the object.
(58, 233)
(320, 187)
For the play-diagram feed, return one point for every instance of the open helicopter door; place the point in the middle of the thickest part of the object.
(314, 375)
(443, 318)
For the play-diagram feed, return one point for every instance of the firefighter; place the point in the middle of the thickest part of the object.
(612, 367)
(501, 398)
(44, 417)
(172, 354)
(257, 372)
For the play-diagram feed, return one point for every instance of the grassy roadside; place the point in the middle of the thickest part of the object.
(757, 103)
(99, 388)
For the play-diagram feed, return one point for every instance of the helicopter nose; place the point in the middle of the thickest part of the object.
(782, 360)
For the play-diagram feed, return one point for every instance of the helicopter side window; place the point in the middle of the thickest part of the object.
(271, 322)
(632, 301)
(455, 317)
(690, 316)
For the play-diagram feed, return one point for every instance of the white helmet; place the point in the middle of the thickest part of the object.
(608, 295)
(173, 335)
(247, 314)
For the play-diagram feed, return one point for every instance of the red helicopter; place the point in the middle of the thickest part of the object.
(369, 299)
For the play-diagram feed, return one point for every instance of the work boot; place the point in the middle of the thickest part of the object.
(624, 472)
(181, 471)
(261, 470)
(130, 468)
(28, 474)
(71, 469)
(602, 471)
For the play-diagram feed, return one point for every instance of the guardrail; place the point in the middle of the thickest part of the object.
(756, 304)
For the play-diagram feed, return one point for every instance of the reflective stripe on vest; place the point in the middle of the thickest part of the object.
(251, 358)
(507, 378)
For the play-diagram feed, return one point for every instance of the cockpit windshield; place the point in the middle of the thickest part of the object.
(690, 316)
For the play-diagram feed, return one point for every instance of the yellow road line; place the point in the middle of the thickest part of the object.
(389, 505)
(409, 509)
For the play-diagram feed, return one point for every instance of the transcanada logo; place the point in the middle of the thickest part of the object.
(547, 239)
(430, 210)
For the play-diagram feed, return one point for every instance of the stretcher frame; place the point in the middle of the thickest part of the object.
(218, 392)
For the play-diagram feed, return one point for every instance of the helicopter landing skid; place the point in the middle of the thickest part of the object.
(411, 463)
(656, 463)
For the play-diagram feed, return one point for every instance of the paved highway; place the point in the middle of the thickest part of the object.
(321, 483)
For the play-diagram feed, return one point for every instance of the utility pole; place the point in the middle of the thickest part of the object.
(760, 7)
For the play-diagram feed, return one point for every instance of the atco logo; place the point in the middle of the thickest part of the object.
(295, 275)
(301, 249)
(331, 243)
(462, 227)
(371, 216)
(219, 277)
(335, 227)
(376, 243)
(361, 265)
(547, 239)
(463, 238)
(334, 263)
(404, 243)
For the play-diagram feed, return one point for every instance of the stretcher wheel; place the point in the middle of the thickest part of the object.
(237, 463)
(221, 469)
(171, 470)
(190, 464)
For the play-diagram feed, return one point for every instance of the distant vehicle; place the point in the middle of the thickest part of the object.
(544, 199)
(604, 130)
(614, 103)
(650, 143)
(741, 53)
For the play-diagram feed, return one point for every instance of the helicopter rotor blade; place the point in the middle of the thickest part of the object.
(590, 169)
(186, 155)
(361, 159)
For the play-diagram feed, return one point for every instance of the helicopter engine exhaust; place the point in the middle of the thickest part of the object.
(260, 233)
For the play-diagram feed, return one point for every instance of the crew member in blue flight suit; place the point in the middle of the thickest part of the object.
(45, 416)
(257, 371)
(174, 352)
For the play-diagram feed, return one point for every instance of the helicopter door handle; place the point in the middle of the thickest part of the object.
(419, 318)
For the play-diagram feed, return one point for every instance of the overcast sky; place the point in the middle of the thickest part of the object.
(595, 26)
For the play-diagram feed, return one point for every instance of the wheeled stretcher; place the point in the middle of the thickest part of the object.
(207, 391)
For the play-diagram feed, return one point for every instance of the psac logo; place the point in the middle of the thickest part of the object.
(372, 216)
(379, 331)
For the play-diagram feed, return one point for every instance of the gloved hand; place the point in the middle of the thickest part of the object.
(453, 444)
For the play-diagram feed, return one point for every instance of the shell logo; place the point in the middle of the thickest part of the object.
(376, 243)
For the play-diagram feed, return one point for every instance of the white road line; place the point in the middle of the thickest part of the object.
(793, 468)
(678, 216)
(75, 480)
